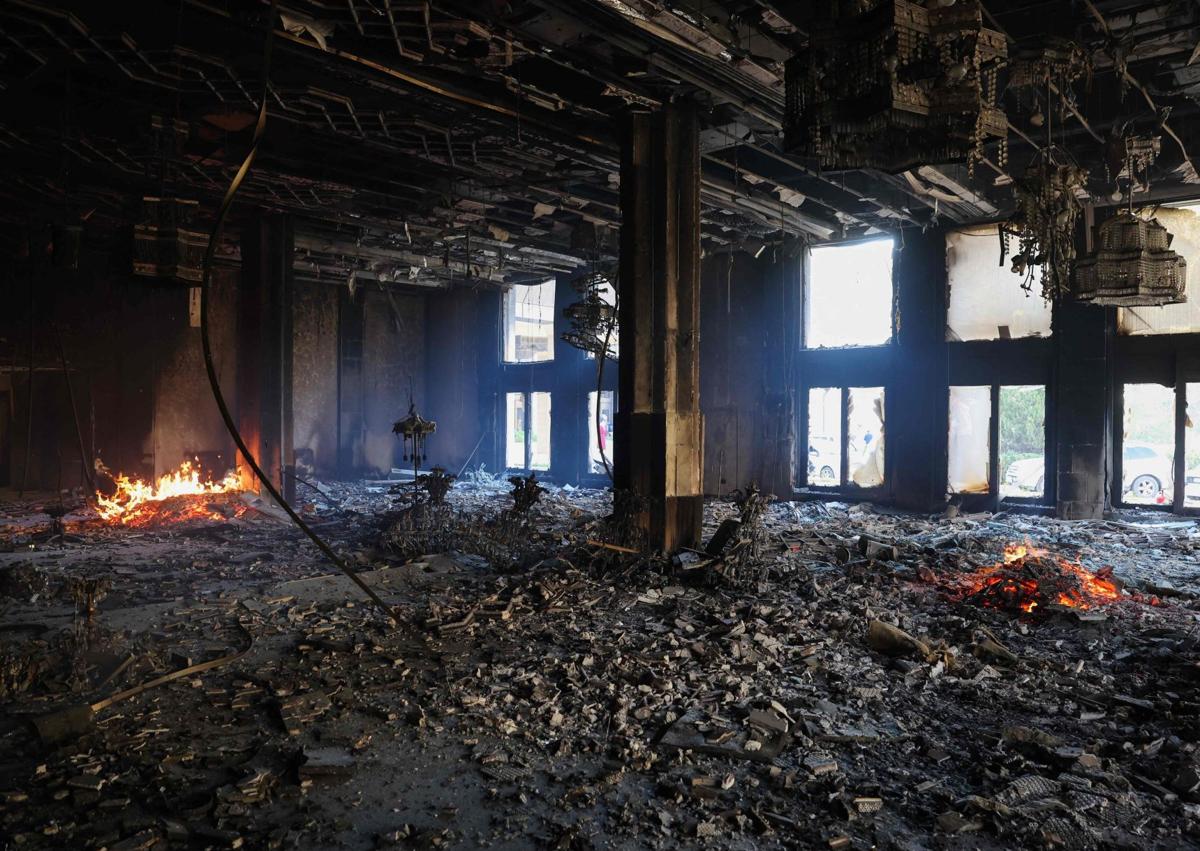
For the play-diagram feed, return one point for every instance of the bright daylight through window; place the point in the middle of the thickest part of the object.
(1148, 447)
(825, 436)
(1183, 318)
(1023, 441)
(864, 440)
(601, 438)
(970, 422)
(849, 295)
(527, 431)
(986, 302)
(1191, 447)
(529, 323)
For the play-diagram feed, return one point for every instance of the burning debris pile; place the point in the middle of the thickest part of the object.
(1031, 579)
(184, 494)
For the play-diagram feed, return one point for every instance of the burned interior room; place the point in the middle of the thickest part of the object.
(600, 424)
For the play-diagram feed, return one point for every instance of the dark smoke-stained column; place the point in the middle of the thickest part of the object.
(264, 356)
(660, 435)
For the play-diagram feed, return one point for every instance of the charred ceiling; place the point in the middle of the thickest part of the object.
(434, 142)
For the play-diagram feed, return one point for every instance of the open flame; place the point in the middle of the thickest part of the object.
(136, 503)
(1029, 577)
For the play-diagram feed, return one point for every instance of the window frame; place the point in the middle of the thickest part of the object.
(552, 284)
(1177, 504)
(806, 300)
(993, 498)
(528, 408)
(845, 486)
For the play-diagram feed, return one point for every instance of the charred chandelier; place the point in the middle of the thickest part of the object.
(891, 84)
(1134, 265)
(414, 429)
(593, 318)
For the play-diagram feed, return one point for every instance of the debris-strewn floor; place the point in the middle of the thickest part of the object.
(550, 692)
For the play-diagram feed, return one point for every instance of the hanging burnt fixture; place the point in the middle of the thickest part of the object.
(592, 318)
(891, 84)
(1044, 224)
(414, 430)
(1133, 265)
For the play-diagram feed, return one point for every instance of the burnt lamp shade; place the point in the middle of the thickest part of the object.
(1133, 266)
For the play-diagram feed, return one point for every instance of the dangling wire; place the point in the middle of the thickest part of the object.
(205, 337)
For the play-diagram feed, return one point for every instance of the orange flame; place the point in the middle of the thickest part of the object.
(1093, 588)
(137, 502)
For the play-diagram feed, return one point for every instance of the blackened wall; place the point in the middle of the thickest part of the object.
(314, 372)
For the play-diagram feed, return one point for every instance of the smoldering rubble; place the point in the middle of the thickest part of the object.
(818, 676)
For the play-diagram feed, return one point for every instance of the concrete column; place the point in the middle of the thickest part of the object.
(916, 404)
(264, 363)
(660, 433)
(1083, 337)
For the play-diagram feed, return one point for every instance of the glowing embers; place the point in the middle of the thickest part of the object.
(184, 494)
(1031, 579)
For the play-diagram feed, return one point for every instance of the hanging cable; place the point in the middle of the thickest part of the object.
(210, 368)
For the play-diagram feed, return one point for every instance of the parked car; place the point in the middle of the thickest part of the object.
(1147, 472)
(1027, 474)
(824, 458)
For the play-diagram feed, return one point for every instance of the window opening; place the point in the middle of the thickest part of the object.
(864, 443)
(1191, 444)
(969, 439)
(825, 436)
(1184, 318)
(603, 438)
(1023, 440)
(529, 323)
(1148, 445)
(849, 295)
(985, 302)
(539, 431)
(514, 444)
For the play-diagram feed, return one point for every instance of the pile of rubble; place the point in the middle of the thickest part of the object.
(834, 694)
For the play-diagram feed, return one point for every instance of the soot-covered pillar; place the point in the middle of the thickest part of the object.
(660, 432)
(264, 363)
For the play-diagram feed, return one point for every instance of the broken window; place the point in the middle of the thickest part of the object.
(1184, 224)
(1023, 441)
(600, 437)
(527, 431)
(864, 441)
(970, 443)
(848, 297)
(1148, 445)
(539, 431)
(986, 299)
(1191, 447)
(609, 294)
(514, 444)
(825, 436)
(529, 323)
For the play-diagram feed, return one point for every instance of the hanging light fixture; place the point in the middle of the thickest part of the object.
(1133, 265)
(413, 430)
(1044, 224)
(892, 84)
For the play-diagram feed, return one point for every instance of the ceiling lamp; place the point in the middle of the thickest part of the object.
(1044, 224)
(891, 84)
(1133, 267)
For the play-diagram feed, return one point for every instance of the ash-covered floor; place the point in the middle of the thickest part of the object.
(549, 689)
